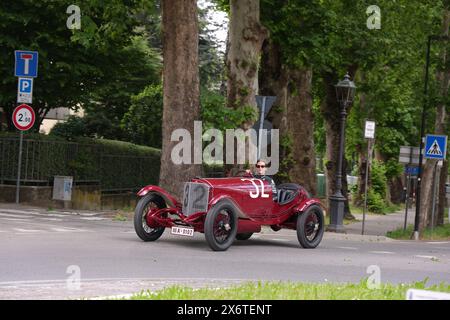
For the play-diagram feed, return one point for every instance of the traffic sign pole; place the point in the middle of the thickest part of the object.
(26, 68)
(23, 119)
(19, 165)
(408, 182)
(369, 134)
(365, 188)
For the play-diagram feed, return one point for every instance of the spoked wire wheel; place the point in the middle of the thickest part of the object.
(221, 226)
(145, 207)
(310, 227)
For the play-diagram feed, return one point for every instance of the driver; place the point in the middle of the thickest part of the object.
(261, 174)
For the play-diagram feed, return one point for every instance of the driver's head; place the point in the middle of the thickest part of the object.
(261, 167)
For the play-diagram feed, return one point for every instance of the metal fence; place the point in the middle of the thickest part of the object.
(87, 163)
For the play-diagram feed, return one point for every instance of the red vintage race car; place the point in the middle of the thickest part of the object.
(225, 209)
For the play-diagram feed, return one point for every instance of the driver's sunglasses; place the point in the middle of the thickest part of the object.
(260, 166)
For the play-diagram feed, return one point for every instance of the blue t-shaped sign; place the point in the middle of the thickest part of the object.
(26, 63)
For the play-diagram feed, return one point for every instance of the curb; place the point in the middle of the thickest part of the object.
(356, 237)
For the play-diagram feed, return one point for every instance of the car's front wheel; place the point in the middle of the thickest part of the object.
(146, 205)
(221, 226)
(310, 227)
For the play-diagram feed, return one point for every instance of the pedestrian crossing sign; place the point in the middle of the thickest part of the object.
(435, 147)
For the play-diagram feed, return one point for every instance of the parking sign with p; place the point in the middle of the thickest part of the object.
(25, 90)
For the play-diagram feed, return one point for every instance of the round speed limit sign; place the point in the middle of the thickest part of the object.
(23, 117)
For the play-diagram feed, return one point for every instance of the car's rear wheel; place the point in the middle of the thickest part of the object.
(146, 205)
(221, 226)
(310, 227)
(244, 236)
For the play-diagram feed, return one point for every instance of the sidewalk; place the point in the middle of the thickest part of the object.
(379, 225)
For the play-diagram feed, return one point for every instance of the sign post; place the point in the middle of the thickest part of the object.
(410, 157)
(25, 68)
(435, 148)
(369, 133)
(23, 118)
(264, 103)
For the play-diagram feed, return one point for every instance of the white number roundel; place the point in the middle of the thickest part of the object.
(23, 117)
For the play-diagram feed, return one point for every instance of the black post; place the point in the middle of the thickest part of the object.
(337, 200)
(415, 235)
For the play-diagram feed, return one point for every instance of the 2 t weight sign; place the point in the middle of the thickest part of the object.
(23, 117)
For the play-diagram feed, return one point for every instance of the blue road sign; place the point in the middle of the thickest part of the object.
(25, 85)
(26, 63)
(414, 171)
(435, 146)
(25, 90)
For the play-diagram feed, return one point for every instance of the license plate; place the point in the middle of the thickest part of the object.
(189, 232)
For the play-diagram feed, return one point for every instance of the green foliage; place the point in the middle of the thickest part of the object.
(378, 177)
(211, 57)
(441, 232)
(375, 202)
(88, 126)
(114, 164)
(142, 122)
(215, 114)
(73, 64)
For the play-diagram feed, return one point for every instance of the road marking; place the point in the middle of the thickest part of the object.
(348, 248)
(68, 230)
(278, 239)
(14, 219)
(92, 218)
(27, 230)
(425, 257)
(51, 219)
(12, 216)
(439, 242)
(382, 252)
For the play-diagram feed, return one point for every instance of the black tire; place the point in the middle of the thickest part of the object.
(310, 227)
(221, 226)
(145, 232)
(244, 236)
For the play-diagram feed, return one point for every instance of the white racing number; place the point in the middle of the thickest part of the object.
(256, 194)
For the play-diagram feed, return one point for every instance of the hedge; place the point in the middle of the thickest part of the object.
(113, 164)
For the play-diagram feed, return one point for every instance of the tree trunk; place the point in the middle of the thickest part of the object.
(300, 126)
(331, 113)
(426, 202)
(396, 190)
(246, 35)
(180, 88)
(273, 81)
(294, 98)
(245, 38)
(441, 123)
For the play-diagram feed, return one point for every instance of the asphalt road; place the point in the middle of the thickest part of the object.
(42, 252)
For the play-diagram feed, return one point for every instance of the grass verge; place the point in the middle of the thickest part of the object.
(439, 233)
(291, 291)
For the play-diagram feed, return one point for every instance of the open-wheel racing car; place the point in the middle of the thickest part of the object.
(225, 209)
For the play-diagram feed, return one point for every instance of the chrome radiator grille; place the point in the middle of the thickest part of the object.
(195, 199)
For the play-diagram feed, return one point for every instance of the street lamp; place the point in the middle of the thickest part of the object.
(345, 92)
